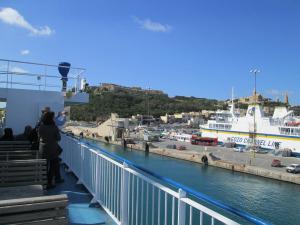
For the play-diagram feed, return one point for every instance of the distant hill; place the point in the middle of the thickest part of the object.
(131, 101)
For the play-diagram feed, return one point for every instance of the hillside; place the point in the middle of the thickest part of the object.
(127, 102)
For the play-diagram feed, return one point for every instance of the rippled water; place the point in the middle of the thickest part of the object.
(275, 201)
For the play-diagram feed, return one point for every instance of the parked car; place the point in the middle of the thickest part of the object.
(293, 168)
(180, 147)
(239, 149)
(276, 163)
(171, 146)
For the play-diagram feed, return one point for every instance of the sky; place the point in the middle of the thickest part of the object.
(191, 48)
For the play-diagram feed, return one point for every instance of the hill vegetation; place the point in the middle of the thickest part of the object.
(127, 102)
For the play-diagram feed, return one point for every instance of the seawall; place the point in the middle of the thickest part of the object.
(196, 157)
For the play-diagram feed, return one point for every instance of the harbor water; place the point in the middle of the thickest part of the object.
(275, 201)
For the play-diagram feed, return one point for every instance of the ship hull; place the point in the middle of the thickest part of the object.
(266, 141)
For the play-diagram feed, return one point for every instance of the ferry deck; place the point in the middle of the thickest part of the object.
(99, 187)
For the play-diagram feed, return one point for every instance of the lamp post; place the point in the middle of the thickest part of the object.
(255, 72)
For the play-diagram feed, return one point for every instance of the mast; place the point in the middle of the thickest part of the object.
(254, 71)
(148, 105)
(232, 103)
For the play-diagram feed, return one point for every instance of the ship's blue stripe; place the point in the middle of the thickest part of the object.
(243, 132)
(245, 215)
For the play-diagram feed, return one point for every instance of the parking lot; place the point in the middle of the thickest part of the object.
(228, 154)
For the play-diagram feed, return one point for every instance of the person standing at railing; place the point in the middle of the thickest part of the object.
(61, 119)
(49, 136)
(34, 133)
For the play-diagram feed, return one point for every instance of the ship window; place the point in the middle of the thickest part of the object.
(285, 130)
(227, 127)
(220, 126)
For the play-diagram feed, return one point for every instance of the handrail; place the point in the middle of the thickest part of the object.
(40, 64)
(10, 72)
(205, 198)
(3, 72)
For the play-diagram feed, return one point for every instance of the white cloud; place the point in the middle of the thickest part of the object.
(13, 69)
(24, 52)
(153, 26)
(16, 69)
(13, 17)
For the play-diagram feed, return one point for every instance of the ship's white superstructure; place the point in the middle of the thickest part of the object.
(280, 131)
(26, 93)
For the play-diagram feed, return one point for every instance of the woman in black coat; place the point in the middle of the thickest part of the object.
(49, 137)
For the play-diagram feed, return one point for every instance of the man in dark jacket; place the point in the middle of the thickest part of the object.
(49, 136)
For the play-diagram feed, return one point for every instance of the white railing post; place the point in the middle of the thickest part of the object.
(96, 182)
(124, 196)
(7, 74)
(181, 208)
(80, 181)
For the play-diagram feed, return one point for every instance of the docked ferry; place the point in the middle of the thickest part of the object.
(280, 131)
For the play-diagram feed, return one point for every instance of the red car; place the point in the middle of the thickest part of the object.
(276, 163)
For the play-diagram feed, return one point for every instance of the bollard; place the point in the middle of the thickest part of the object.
(146, 148)
(81, 135)
(204, 160)
(124, 143)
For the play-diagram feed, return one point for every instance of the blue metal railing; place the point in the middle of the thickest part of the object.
(200, 196)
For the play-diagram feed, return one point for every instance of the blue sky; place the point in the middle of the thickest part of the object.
(192, 48)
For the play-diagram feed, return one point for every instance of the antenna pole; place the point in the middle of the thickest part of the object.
(254, 71)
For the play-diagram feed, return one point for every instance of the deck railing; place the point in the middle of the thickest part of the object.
(133, 195)
(37, 76)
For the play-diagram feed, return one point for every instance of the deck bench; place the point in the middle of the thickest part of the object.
(44, 210)
(14, 145)
(23, 172)
(27, 191)
(19, 155)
